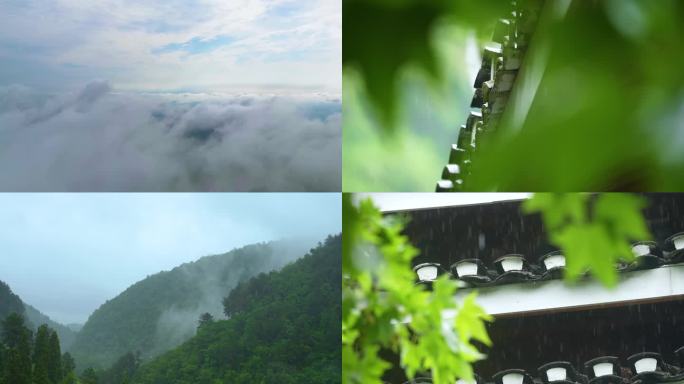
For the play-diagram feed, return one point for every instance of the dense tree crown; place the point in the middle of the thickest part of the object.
(283, 328)
(9, 302)
(12, 303)
(131, 321)
(28, 360)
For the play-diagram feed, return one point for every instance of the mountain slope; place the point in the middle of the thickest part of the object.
(284, 328)
(161, 311)
(10, 302)
(37, 318)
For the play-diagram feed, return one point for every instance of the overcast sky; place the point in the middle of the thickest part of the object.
(171, 44)
(66, 254)
(170, 95)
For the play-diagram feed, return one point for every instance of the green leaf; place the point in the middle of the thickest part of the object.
(367, 369)
(588, 247)
(384, 310)
(558, 208)
(380, 38)
(469, 321)
(594, 234)
(622, 212)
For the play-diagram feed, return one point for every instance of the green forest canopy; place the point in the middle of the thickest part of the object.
(12, 303)
(283, 328)
(159, 312)
(25, 359)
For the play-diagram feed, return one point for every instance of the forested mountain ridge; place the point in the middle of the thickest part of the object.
(37, 318)
(283, 328)
(11, 303)
(161, 311)
(29, 359)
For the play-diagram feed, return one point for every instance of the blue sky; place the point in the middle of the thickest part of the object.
(167, 44)
(66, 254)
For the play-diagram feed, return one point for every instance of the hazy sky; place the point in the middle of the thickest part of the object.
(171, 44)
(66, 254)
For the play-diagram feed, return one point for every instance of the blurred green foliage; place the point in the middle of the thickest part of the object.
(594, 234)
(382, 308)
(381, 37)
(608, 113)
(374, 161)
(410, 156)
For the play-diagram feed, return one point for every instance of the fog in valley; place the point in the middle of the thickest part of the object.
(68, 254)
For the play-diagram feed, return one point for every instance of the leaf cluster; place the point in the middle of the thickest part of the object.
(25, 359)
(380, 38)
(595, 232)
(384, 310)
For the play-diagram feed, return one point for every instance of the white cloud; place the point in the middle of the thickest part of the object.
(275, 42)
(97, 139)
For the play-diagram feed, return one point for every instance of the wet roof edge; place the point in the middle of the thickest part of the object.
(659, 284)
(453, 206)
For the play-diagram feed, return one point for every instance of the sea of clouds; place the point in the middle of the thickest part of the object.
(98, 139)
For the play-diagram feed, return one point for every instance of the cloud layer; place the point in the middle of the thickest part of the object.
(100, 140)
(171, 44)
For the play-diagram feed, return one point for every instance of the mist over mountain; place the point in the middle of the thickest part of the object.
(37, 318)
(100, 139)
(161, 311)
(12, 303)
(283, 328)
(74, 326)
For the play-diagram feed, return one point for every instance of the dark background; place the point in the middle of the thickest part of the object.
(488, 231)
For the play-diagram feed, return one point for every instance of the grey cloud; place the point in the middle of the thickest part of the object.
(88, 95)
(97, 139)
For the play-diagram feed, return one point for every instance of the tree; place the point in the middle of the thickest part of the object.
(205, 318)
(89, 377)
(122, 371)
(54, 359)
(286, 332)
(17, 340)
(68, 364)
(69, 378)
(129, 322)
(41, 356)
(13, 330)
(9, 302)
(2, 363)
